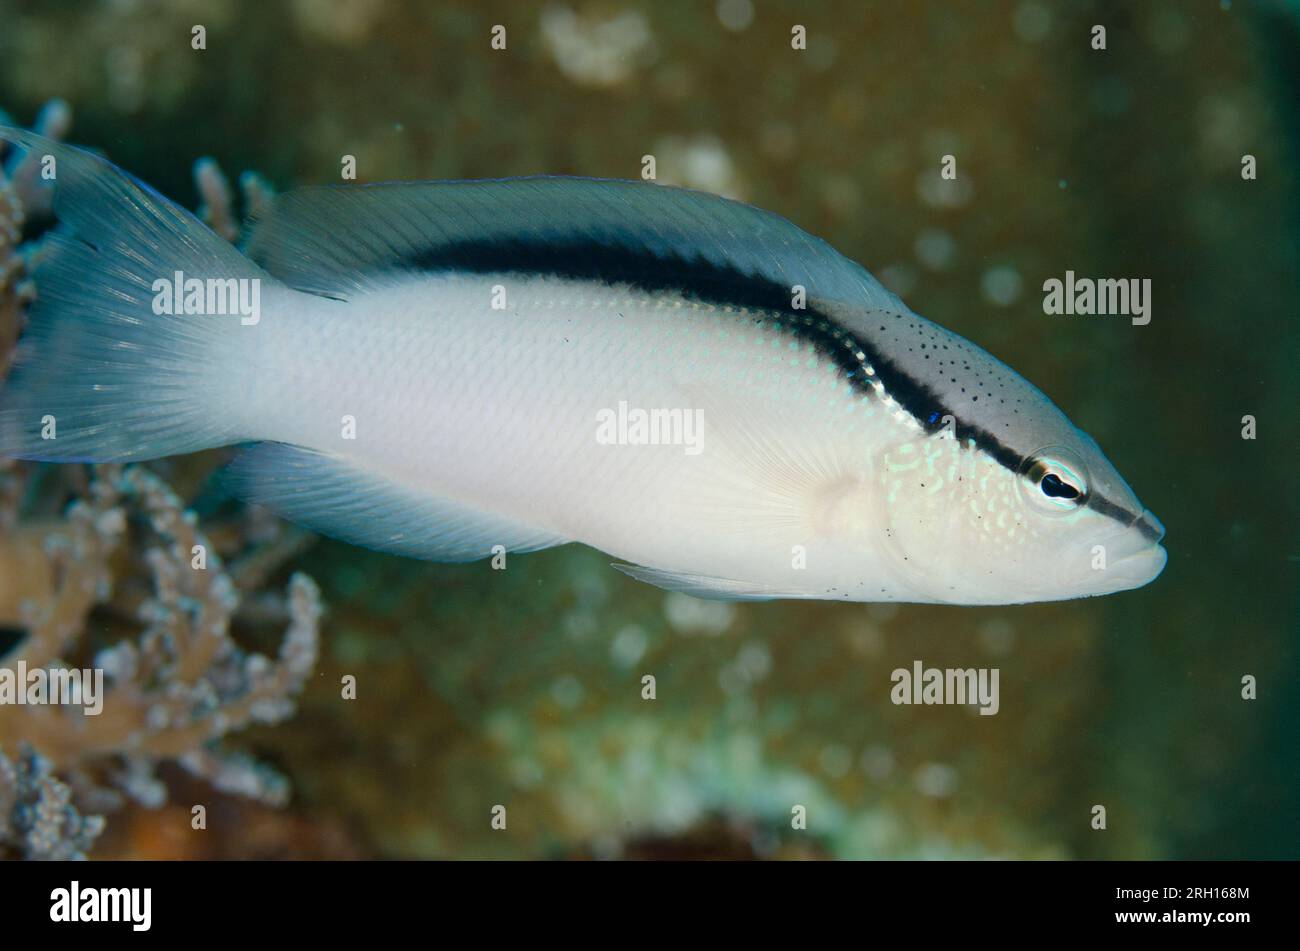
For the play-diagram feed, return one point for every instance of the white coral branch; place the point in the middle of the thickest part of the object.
(183, 683)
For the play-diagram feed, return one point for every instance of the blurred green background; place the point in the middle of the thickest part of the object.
(522, 687)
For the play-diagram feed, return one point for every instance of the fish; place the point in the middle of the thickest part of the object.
(465, 370)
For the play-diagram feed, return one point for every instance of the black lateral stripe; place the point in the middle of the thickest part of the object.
(1111, 510)
(1149, 531)
(698, 278)
(593, 260)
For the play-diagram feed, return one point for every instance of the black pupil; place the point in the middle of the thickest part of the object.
(1054, 488)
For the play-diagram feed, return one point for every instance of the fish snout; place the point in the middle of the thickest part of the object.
(1134, 557)
(1128, 556)
(1150, 527)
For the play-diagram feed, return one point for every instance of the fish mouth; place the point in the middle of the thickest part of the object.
(1134, 558)
(1138, 569)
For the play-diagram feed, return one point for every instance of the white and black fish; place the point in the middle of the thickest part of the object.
(451, 369)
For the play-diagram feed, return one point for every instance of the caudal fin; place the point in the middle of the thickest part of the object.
(100, 375)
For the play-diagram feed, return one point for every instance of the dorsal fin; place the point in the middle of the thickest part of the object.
(335, 240)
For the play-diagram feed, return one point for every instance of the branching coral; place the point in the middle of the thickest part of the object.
(174, 690)
(20, 197)
(181, 684)
(217, 210)
(37, 818)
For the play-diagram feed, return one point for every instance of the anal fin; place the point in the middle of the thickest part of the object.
(707, 587)
(347, 501)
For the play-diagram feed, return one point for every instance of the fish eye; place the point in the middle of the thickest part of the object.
(1054, 481)
(1054, 487)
